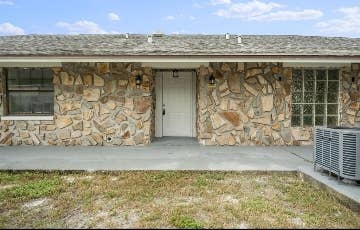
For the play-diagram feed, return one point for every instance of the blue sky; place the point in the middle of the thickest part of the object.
(305, 17)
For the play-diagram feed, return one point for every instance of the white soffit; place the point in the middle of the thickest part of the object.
(174, 65)
(30, 64)
(315, 65)
(56, 61)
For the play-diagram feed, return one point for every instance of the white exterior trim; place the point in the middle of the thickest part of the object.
(181, 59)
(27, 118)
(30, 64)
(158, 104)
(193, 106)
(174, 65)
(315, 65)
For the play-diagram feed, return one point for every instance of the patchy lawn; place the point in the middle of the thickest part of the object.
(167, 200)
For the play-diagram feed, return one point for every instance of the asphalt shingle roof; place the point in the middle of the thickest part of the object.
(177, 45)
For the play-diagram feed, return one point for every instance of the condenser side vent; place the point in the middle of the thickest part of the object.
(337, 150)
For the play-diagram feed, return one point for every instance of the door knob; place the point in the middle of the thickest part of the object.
(163, 110)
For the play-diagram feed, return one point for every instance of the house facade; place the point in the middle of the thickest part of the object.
(223, 90)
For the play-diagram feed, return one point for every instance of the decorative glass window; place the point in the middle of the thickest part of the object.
(315, 97)
(30, 91)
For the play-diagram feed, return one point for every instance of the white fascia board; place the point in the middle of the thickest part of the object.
(27, 118)
(174, 65)
(315, 65)
(180, 59)
(30, 64)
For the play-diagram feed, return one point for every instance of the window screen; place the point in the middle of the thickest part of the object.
(30, 91)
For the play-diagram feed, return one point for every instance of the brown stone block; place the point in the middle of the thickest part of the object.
(88, 80)
(66, 79)
(103, 67)
(56, 80)
(276, 69)
(62, 122)
(232, 117)
(64, 134)
(120, 118)
(253, 72)
(98, 81)
(234, 82)
(78, 126)
(56, 70)
(141, 105)
(97, 137)
(91, 94)
(126, 135)
(123, 84)
(78, 80)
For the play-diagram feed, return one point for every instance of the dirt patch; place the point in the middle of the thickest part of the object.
(228, 199)
(69, 179)
(36, 203)
(3, 187)
(102, 219)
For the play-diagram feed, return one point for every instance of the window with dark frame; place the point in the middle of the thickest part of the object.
(315, 97)
(30, 91)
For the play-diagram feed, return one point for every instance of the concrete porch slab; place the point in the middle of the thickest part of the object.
(162, 154)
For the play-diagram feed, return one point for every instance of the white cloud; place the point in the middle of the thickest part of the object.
(257, 10)
(8, 3)
(220, 2)
(9, 29)
(247, 10)
(178, 32)
(113, 17)
(82, 27)
(348, 23)
(170, 17)
(288, 15)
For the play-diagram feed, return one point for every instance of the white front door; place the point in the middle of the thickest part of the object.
(177, 107)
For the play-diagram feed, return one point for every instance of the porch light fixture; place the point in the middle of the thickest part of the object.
(138, 81)
(175, 73)
(211, 81)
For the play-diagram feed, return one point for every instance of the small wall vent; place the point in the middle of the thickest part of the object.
(149, 38)
(239, 39)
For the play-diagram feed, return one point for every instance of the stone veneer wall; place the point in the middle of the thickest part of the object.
(94, 104)
(99, 104)
(251, 105)
(350, 96)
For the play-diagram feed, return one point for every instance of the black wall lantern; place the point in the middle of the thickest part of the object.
(138, 81)
(175, 73)
(211, 81)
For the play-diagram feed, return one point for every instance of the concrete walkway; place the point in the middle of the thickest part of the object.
(163, 154)
(173, 154)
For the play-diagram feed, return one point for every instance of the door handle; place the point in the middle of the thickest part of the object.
(163, 110)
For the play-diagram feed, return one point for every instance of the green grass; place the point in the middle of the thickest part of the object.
(168, 199)
(185, 222)
(31, 190)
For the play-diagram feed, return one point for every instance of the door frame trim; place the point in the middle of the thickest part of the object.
(159, 101)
